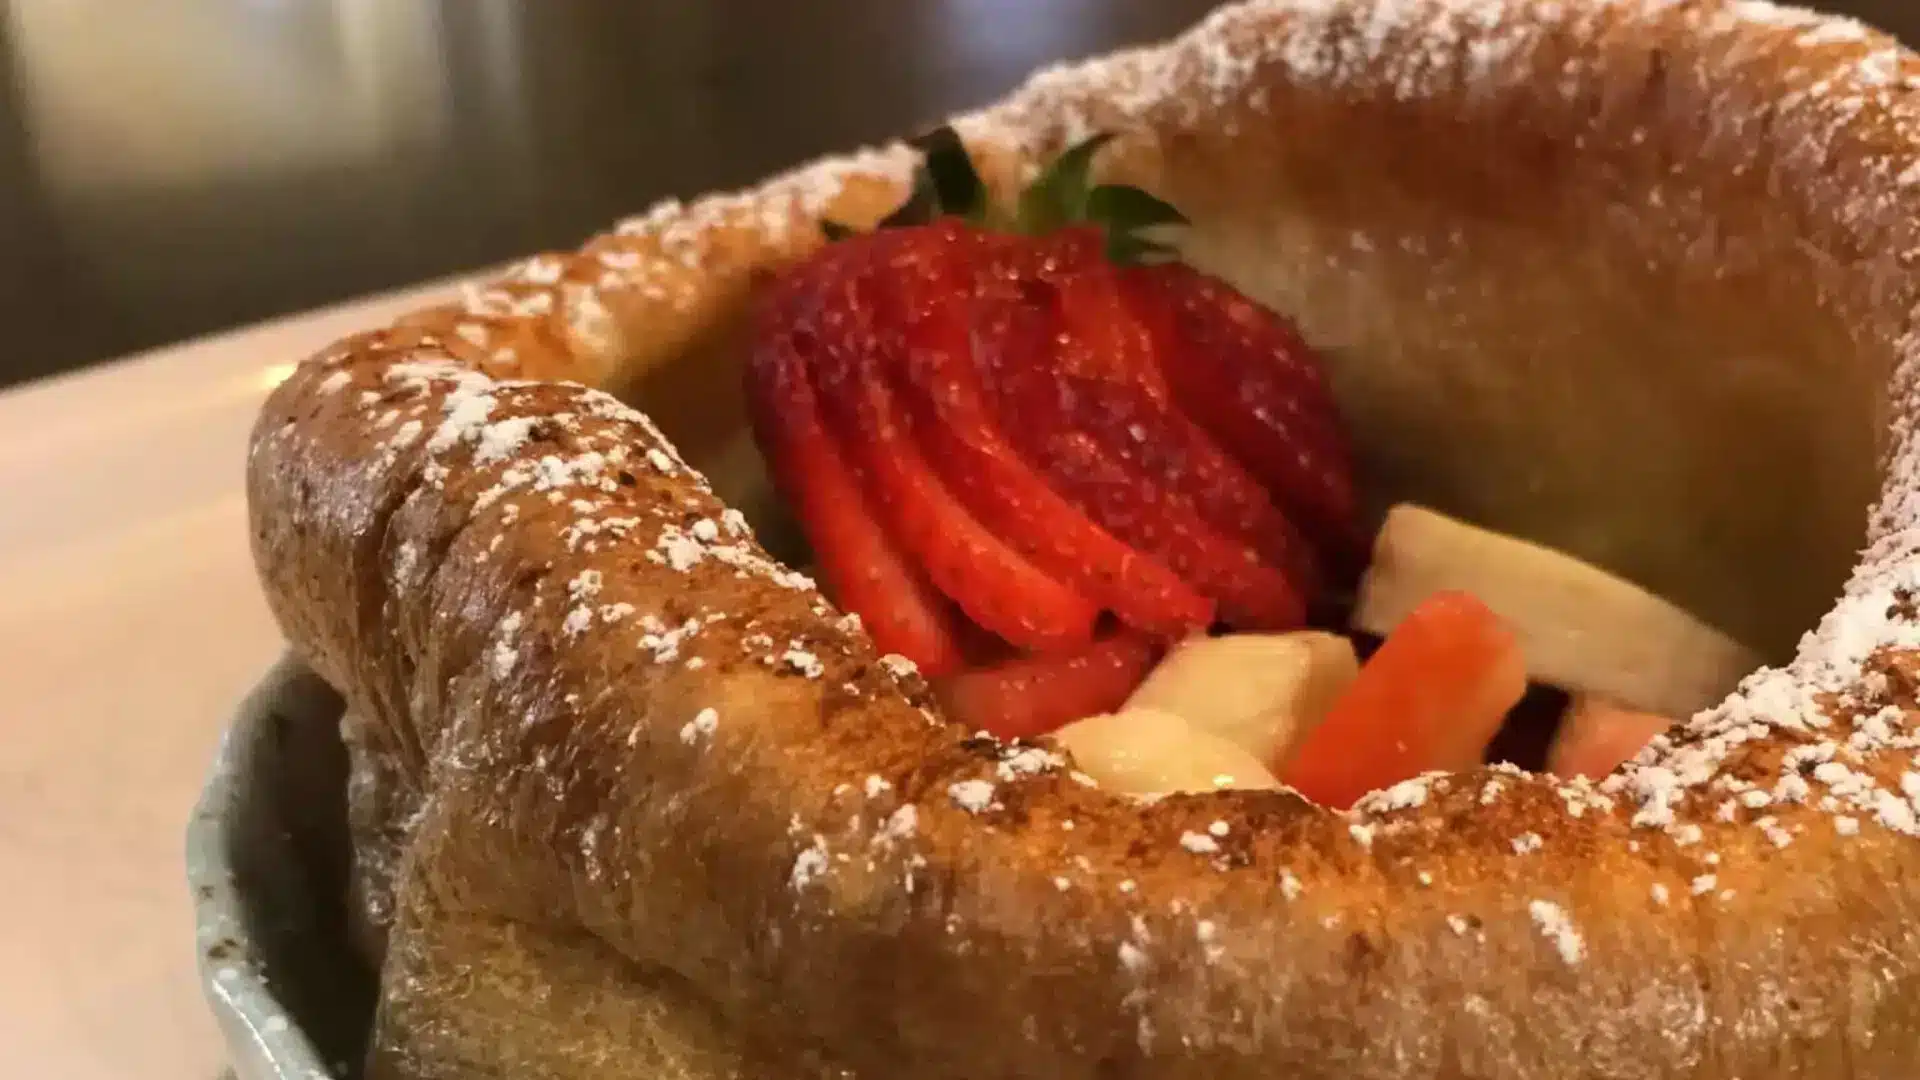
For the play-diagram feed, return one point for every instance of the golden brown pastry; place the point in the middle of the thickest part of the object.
(1630, 278)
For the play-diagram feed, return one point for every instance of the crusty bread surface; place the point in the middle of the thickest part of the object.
(1631, 278)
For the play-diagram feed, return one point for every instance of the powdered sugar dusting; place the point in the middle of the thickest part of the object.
(1406, 795)
(1552, 922)
(683, 549)
(1199, 843)
(703, 725)
(506, 652)
(810, 865)
(1022, 762)
(973, 796)
(901, 824)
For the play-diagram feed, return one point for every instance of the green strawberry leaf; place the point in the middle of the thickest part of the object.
(1058, 196)
(1128, 209)
(947, 184)
(1132, 249)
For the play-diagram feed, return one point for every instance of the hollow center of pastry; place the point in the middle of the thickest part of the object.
(1596, 438)
(1624, 371)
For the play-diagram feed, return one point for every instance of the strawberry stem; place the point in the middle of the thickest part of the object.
(947, 185)
(1058, 196)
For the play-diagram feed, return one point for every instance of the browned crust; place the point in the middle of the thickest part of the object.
(426, 555)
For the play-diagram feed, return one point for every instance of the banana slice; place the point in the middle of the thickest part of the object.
(1596, 736)
(1581, 628)
(1261, 692)
(1154, 752)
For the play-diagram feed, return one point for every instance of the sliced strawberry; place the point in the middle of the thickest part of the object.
(995, 585)
(1124, 404)
(1251, 594)
(928, 293)
(1046, 437)
(1431, 698)
(1032, 406)
(1101, 340)
(863, 569)
(1249, 379)
(1033, 696)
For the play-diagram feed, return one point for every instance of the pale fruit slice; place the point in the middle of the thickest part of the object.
(1154, 752)
(1259, 691)
(1581, 628)
(1597, 736)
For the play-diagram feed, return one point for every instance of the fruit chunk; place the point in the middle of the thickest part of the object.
(1598, 736)
(1153, 752)
(1260, 692)
(1580, 627)
(1036, 695)
(1430, 698)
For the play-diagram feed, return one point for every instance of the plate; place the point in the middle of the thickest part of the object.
(267, 859)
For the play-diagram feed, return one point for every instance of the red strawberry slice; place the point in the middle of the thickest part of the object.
(1250, 380)
(1034, 696)
(995, 585)
(1186, 460)
(926, 291)
(1101, 341)
(1251, 594)
(1013, 336)
(1127, 409)
(863, 569)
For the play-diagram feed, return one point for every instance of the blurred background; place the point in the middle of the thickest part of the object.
(174, 167)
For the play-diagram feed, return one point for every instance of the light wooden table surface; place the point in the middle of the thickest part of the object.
(130, 624)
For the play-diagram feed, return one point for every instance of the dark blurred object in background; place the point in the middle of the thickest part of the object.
(173, 167)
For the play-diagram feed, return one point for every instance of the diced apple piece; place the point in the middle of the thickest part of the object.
(1597, 736)
(1581, 628)
(1153, 752)
(1259, 691)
